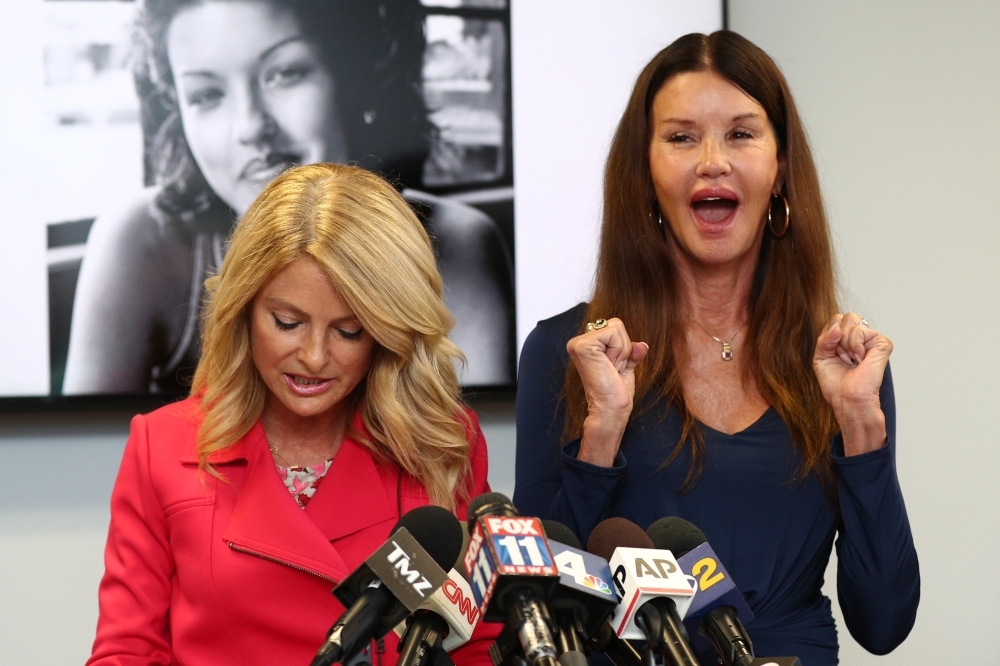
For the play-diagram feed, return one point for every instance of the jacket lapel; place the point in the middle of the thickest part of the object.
(354, 494)
(267, 521)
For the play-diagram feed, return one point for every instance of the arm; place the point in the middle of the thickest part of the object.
(878, 577)
(131, 281)
(550, 481)
(132, 628)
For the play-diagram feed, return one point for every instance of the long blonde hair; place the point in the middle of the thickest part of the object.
(379, 258)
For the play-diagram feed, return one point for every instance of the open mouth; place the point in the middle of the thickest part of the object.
(307, 385)
(714, 209)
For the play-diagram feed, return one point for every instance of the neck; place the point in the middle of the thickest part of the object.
(304, 440)
(716, 297)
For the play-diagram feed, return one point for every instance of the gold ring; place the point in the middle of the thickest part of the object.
(594, 325)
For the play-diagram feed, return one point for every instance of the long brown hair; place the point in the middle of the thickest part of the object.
(793, 292)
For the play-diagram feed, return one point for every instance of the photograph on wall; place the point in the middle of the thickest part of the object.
(165, 118)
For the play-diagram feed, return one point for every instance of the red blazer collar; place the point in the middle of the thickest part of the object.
(268, 522)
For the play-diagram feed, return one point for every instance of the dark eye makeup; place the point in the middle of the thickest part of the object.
(284, 325)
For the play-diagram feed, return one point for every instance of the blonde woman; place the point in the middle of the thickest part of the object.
(325, 405)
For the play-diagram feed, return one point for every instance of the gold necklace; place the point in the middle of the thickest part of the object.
(727, 349)
(274, 452)
(273, 448)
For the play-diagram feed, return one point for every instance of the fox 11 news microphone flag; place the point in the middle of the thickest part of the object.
(511, 572)
(580, 605)
(393, 581)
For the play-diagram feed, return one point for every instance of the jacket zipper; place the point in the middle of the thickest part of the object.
(379, 644)
(262, 556)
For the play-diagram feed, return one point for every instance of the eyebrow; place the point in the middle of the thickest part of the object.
(261, 58)
(687, 123)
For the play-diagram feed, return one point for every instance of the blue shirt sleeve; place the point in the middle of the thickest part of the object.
(878, 577)
(550, 482)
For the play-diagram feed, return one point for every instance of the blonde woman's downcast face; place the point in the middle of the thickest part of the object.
(306, 343)
(714, 163)
(255, 96)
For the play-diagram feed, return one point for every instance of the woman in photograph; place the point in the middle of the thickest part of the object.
(713, 375)
(233, 93)
(325, 406)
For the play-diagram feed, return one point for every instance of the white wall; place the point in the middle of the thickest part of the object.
(573, 65)
(901, 102)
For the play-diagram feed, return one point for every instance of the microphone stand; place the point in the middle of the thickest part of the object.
(422, 643)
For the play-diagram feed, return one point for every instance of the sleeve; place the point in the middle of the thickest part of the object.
(878, 577)
(477, 651)
(134, 594)
(549, 480)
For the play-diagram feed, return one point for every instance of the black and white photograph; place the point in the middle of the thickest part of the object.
(165, 119)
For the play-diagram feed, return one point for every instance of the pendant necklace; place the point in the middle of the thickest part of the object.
(727, 349)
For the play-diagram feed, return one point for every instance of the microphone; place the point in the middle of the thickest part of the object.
(511, 570)
(654, 592)
(393, 582)
(449, 615)
(584, 601)
(718, 613)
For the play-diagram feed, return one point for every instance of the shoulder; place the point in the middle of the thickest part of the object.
(130, 252)
(556, 331)
(171, 431)
(183, 414)
(131, 226)
(453, 220)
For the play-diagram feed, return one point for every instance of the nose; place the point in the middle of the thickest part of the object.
(313, 353)
(254, 125)
(714, 161)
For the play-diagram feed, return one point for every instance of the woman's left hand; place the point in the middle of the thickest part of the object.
(849, 362)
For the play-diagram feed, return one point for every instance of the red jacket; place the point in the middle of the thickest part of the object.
(203, 571)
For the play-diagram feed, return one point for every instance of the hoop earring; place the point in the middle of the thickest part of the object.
(788, 216)
(659, 216)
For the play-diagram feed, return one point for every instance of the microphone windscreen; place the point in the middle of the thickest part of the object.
(556, 531)
(676, 535)
(437, 531)
(459, 565)
(490, 503)
(616, 533)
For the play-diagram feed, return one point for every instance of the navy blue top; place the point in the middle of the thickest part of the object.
(772, 535)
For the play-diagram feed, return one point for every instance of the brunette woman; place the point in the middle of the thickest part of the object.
(713, 375)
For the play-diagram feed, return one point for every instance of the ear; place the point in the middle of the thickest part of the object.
(779, 179)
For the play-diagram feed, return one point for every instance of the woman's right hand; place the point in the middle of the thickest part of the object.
(606, 359)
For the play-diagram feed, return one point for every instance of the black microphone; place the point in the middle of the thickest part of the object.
(718, 611)
(444, 622)
(654, 592)
(511, 572)
(584, 600)
(393, 582)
